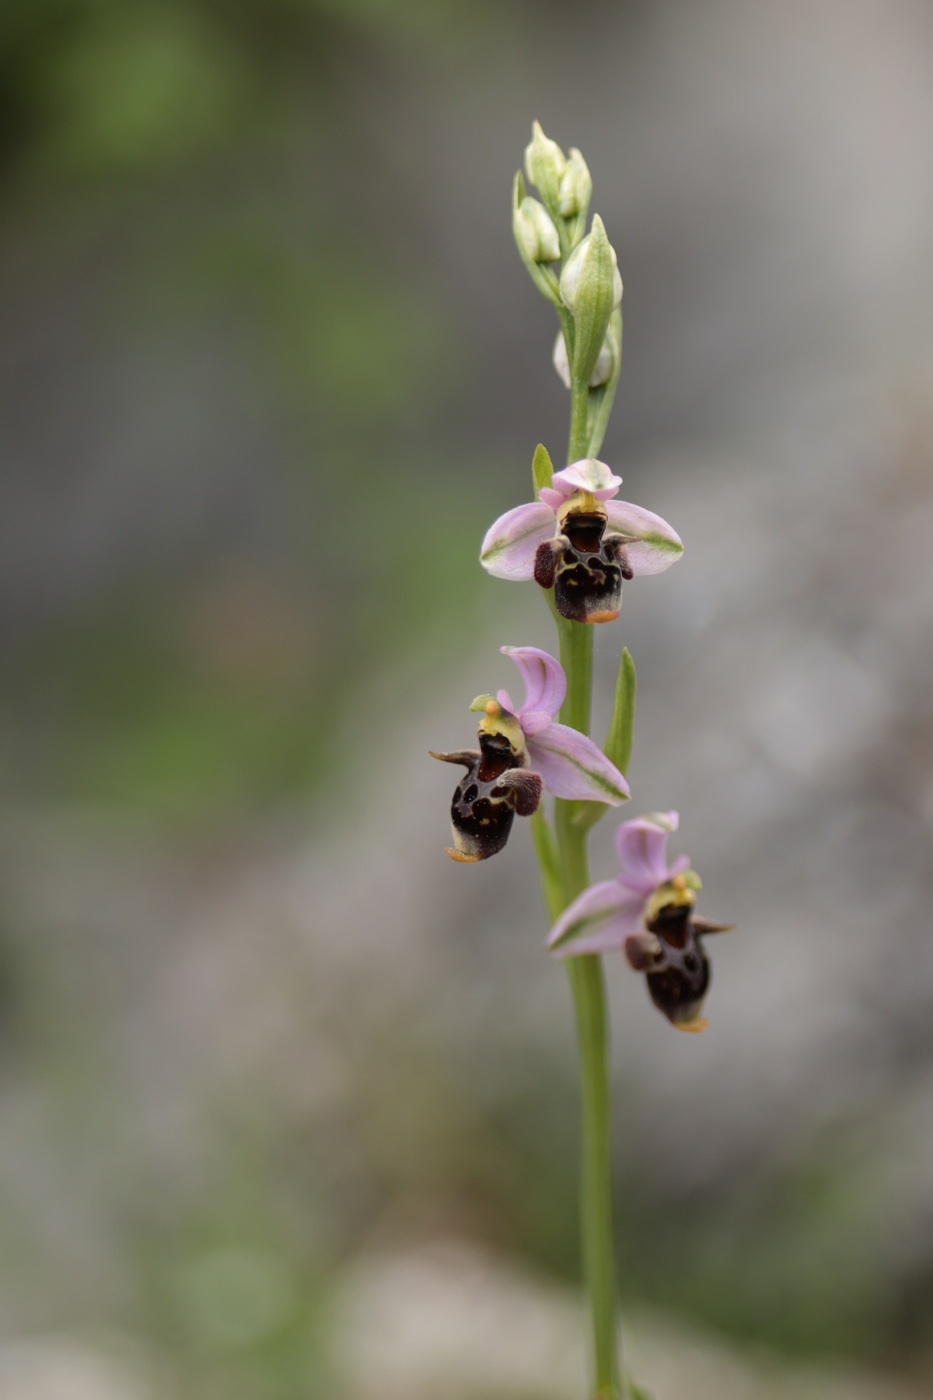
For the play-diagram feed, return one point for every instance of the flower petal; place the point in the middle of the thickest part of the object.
(533, 721)
(587, 475)
(642, 848)
(505, 700)
(572, 766)
(545, 682)
(598, 920)
(656, 545)
(508, 550)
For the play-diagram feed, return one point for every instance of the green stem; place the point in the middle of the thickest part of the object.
(589, 997)
(576, 657)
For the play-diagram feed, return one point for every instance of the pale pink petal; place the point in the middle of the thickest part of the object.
(598, 921)
(505, 700)
(533, 721)
(642, 848)
(587, 475)
(554, 499)
(573, 767)
(656, 545)
(545, 682)
(508, 550)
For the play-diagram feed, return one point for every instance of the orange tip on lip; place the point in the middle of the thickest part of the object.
(697, 1025)
(605, 616)
(460, 856)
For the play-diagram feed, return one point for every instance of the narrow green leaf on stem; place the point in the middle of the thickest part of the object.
(542, 833)
(601, 399)
(587, 814)
(579, 424)
(567, 326)
(618, 745)
(542, 468)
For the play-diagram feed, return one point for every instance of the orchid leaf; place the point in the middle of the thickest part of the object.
(618, 745)
(542, 468)
(542, 834)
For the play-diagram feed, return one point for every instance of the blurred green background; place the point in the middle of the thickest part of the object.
(288, 1105)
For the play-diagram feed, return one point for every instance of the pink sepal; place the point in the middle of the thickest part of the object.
(656, 545)
(598, 921)
(508, 549)
(573, 767)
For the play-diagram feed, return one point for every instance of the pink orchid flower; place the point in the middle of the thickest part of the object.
(647, 911)
(523, 750)
(581, 542)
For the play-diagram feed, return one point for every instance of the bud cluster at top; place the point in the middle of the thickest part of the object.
(586, 289)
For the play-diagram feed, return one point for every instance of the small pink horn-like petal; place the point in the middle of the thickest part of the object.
(598, 920)
(554, 499)
(508, 550)
(573, 767)
(505, 700)
(533, 721)
(545, 682)
(588, 474)
(656, 545)
(642, 848)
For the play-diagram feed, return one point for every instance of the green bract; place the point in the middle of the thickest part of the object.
(590, 288)
(545, 164)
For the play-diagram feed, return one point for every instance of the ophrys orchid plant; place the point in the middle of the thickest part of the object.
(580, 545)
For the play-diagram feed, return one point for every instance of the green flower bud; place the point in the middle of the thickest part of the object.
(576, 186)
(605, 363)
(534, 232)
(544, 165)
(581, 255)
(590, 288)
(527, 232)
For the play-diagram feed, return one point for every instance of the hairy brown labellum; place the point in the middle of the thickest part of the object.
(585, 567)
(673, 957)
(496, 786)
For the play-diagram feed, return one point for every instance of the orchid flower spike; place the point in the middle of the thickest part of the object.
(648, 912)
(523, 750)
(561, 541)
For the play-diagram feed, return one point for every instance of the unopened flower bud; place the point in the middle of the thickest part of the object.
(590, 287)
(578, 260)
(534, 232)
(605, 363)
(544, 165)
(576, 186)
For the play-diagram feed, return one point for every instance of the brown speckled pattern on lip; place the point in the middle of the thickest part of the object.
(496, 786)
(585, 567)
(677, 969)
